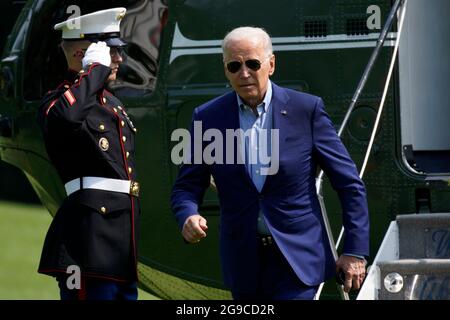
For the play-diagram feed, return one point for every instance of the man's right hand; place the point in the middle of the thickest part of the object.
(194, 228)
(353, 271)
(97, 53)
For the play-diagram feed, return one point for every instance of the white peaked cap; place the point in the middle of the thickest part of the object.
(101, 25)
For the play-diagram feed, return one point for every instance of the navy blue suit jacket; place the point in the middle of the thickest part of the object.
(288, 198)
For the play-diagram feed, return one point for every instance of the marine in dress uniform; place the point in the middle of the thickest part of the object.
(90, 140)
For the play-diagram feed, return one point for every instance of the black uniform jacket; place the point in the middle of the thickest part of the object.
(87, 132)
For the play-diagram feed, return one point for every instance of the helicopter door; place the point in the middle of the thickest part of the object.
(424, 93)
(10, 73)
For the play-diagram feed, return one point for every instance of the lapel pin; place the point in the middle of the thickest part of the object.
(283, 112)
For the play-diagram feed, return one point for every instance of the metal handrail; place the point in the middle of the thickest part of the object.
(319, 181)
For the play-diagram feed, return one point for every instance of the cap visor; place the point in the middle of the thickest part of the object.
(115, 42)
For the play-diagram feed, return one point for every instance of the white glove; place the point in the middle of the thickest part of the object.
(97, 53)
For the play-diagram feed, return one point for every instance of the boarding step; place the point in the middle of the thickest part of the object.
(415, 279)
(424, 236)
(413, 261)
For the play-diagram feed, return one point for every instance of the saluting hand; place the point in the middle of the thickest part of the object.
(354, 270)
(97, 53)
(194, 228)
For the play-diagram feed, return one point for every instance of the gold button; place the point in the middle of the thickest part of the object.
(115, 110)
(130, 170)
(124, 138)
(103, 209)
(101, 127)
(122, 123)
(135, 130)
(128, 154)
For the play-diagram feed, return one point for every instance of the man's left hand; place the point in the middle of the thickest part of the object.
(354, 270)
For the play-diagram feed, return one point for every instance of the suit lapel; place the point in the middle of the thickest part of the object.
(230, 112)
(230, 120)
(280, 121)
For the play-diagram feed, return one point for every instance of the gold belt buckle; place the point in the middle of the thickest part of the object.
(134, 188)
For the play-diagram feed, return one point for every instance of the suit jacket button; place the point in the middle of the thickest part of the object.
(103, 210)
(101, 127)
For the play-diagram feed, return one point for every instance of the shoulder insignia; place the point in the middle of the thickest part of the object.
(69, 97)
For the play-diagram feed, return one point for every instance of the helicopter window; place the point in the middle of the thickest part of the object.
(13, 8)
(141, 28)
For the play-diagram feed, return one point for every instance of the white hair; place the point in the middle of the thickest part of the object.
(242, 33)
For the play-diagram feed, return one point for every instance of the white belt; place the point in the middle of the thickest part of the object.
(115, 185)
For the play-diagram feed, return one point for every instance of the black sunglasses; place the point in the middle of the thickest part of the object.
(252, 64)
(117, 51)
(112, 51)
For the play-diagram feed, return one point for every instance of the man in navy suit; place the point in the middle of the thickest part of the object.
(273, 239)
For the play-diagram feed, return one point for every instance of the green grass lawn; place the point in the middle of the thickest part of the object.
(22, 232)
